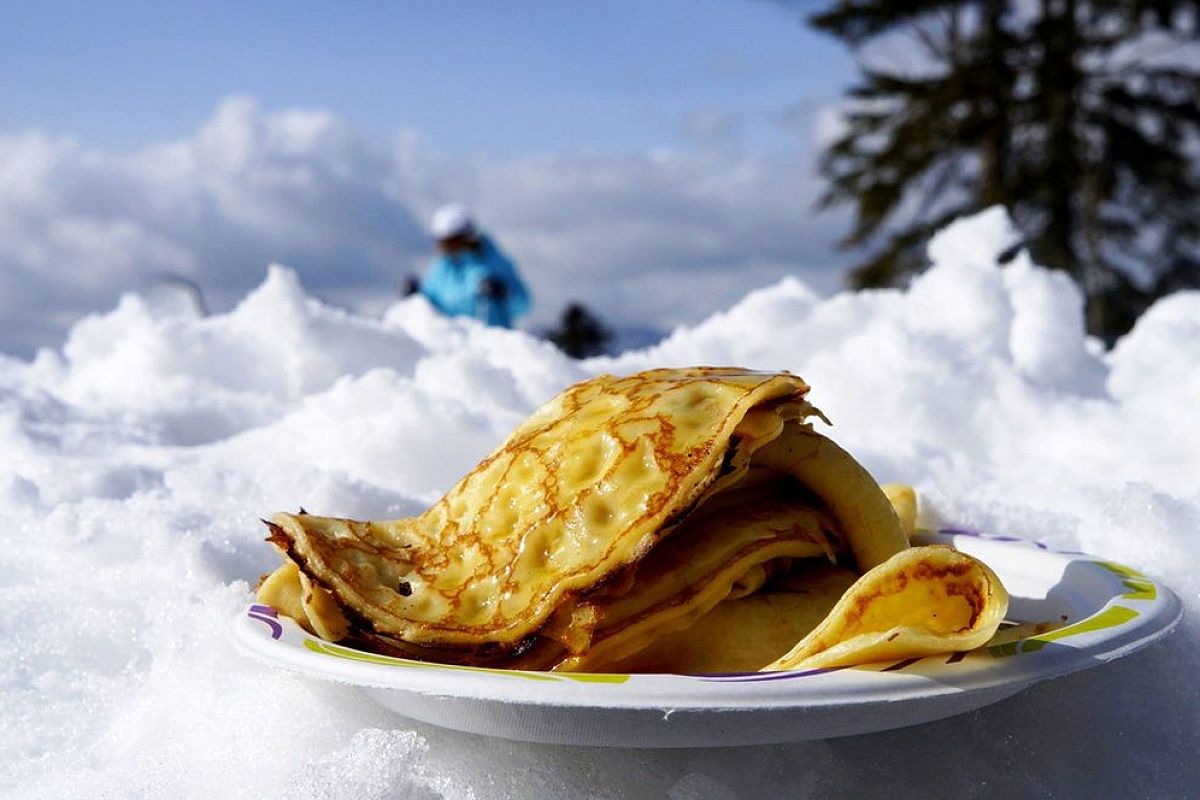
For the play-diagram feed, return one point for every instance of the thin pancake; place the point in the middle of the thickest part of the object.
(580, 491)
(619, 514)
(697, 568)
(922, 601)
(748, 633)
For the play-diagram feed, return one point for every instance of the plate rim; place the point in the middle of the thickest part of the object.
(1140, 611)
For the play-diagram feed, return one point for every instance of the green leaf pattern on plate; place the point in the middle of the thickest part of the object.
(330, 649)
(1141, 588)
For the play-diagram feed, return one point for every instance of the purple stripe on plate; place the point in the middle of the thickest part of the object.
(960, 531)
(753, 677)
(899, 665)
(259, 608)
(992, 537)
(273, 624)
(956, 657)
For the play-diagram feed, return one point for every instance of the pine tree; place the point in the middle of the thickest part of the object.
(1071, 113)
(580, 333)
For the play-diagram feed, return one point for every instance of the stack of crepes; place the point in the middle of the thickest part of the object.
(677, 520)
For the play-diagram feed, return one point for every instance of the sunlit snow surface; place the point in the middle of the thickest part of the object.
(136, 461)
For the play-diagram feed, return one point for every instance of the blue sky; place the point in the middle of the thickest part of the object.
(508, 78)
(614, 148)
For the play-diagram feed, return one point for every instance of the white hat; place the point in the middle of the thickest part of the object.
(452, 220)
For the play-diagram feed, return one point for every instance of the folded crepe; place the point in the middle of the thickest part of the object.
(677, 520)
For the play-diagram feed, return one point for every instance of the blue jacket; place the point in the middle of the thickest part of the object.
(453, 285)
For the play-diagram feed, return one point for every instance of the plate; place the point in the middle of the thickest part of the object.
(1104, 611)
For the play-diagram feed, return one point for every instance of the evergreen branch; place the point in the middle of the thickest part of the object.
(859, 20)
(1096, 159)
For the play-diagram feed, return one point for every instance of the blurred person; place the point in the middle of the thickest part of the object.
(470, 277)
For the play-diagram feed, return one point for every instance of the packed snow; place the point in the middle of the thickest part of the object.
(139, 456)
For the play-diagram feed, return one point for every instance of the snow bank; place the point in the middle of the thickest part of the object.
(138, 459)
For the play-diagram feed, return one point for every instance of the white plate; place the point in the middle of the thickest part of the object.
(1111, 611)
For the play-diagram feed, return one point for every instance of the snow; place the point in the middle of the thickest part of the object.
(138, 457)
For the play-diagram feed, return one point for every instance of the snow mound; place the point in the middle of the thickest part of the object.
(139, 457)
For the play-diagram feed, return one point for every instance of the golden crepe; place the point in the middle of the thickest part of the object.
(631, 519)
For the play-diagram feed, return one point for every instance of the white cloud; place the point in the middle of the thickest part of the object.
(711, 126)
(654, 238)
